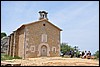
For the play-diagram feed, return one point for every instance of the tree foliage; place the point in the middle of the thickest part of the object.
(97, 53)
(3, 34)
(65, 47)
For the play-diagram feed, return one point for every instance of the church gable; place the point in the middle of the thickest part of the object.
(42, 23)
(43, 19)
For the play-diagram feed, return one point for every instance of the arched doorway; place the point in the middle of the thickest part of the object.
(43, 50)
(40, 49)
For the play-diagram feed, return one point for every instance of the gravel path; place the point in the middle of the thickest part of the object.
(56, 61)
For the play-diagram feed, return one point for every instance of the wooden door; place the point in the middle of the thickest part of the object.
(43, 51)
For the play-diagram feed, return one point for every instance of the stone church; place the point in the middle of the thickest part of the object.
(36, 39)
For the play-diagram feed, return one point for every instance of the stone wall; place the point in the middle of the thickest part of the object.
(21, 43)
(34, 36)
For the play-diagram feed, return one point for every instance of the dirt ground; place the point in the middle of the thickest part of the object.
(56, 61)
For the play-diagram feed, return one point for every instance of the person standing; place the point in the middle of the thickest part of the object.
(88, 55)
(80, 53)
(85, 53)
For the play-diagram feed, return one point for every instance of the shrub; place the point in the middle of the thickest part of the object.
(7, 57)
(17, 57)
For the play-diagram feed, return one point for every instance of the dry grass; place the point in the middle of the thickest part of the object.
(57, 61)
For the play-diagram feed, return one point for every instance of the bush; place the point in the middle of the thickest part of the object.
(7, 57)
(17, 57)
(96, 54)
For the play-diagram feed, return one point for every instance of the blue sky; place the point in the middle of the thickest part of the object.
(79, 20)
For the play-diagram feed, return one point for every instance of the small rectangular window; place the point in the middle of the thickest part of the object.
(54, 49)
(44, 38)
(32, 48)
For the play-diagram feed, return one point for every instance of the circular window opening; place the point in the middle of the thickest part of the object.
(43, 24)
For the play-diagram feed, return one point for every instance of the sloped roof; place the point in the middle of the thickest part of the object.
(38, 22)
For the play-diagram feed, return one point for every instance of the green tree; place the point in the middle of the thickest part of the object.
(65, 47)
(97, 53)
(3, 34)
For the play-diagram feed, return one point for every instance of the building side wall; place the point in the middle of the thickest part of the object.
(21, 43)
(11, 44)
(16, 43)
(8, 49)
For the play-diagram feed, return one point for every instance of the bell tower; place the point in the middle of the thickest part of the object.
(43, 15)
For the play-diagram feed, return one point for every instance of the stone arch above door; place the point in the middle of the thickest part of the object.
(39, 49)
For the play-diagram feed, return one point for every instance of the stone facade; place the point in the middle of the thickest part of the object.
(36, 39)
